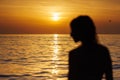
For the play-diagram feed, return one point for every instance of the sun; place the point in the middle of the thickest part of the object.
(55, 16)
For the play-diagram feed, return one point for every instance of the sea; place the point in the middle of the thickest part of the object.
(45, 56)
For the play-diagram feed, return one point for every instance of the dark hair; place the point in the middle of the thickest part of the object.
(84, 27)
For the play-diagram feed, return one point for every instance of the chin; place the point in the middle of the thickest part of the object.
(76, 40)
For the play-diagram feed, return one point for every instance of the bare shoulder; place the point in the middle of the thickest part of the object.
(102, 50)
(76, 50)
(102, 47)
(99, 48)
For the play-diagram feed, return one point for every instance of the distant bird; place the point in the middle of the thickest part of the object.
(110, 21)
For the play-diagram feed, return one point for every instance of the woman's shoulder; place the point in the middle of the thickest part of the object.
(76, 50)
(101, 50)
(100, 46)
(96, 47)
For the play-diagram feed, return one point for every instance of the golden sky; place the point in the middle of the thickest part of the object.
(54, 16)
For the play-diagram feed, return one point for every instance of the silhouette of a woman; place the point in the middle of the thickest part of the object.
(91, 60)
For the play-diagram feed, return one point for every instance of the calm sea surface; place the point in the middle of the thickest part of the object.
(45, 56)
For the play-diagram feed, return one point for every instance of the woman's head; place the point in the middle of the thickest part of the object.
(83, 29)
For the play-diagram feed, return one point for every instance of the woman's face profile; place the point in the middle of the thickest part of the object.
(75, 37)
(83, 29)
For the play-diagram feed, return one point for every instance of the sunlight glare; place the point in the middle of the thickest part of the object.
(55, 47)
(56, 16)
(55, 55)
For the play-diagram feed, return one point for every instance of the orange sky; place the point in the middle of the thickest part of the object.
(36, 16)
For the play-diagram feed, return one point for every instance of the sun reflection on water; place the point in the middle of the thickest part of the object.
(55, 56)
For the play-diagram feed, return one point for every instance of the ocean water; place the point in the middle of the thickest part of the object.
(45, 56)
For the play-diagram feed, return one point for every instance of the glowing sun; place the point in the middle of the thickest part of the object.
(56, 16)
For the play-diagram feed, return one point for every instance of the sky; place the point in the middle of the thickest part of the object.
(54, 16)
